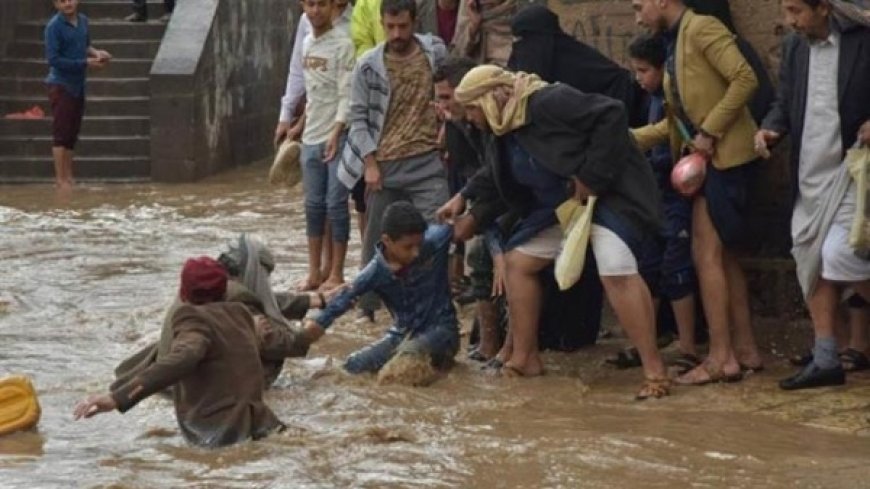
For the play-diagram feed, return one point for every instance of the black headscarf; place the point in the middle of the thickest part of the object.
(543, 48)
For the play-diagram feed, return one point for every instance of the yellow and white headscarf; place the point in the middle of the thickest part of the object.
(479, 88)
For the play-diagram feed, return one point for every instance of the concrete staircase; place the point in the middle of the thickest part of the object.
(115, 139)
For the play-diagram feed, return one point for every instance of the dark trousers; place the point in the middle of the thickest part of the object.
(141, 6)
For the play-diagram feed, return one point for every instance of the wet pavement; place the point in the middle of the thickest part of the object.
(85, 278)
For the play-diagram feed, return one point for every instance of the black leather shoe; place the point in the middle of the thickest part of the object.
(813, 376)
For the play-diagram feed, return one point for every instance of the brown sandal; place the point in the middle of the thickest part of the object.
(656, 387)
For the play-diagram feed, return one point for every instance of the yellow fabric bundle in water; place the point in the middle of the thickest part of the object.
(858, 162)
(576, 221)
(19, 408)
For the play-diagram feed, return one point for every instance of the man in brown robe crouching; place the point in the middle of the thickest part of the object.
(214, 364)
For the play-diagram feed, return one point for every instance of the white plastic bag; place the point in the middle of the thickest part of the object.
(576, 221)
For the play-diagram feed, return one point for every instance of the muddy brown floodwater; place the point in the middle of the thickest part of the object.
(84, 280)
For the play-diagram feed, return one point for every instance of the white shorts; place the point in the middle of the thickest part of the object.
(839, 263)
(544, 245)
(613, 256)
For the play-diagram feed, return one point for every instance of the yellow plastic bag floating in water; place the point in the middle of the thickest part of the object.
(19, 408)
(858, 162)
(576, 221)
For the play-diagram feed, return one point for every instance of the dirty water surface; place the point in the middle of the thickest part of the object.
(85, 278)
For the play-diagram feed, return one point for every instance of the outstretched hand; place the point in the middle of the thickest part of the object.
(94, 405)
(330, 294)
(312, 331)
(704, 144)
(452, 209)
(581, 191)
(464, 228)
(764, 139)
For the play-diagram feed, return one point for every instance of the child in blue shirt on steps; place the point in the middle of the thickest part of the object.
(69, 54)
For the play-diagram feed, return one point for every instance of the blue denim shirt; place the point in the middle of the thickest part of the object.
(66, 49)
(417, 296)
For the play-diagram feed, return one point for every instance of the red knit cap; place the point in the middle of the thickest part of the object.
(203, 280)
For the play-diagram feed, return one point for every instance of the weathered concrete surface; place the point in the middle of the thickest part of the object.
(14, 11)
(216, 85)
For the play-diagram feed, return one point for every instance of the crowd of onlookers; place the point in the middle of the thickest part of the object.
(459, 129)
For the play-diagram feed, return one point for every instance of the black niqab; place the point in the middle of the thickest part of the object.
(543, 48)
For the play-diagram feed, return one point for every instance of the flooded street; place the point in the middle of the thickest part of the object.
(84, 280)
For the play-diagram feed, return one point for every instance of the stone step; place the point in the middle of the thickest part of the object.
(117, 68)
(87, 146)
(100, 29)
(113, 9)
(16, 169)
(97, 87)
(104, 126)
(95, 106)
(120, 48)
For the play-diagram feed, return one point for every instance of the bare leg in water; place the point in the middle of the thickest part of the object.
(326, 260)
(684, 315)
(487, 317)
(707, 251)
(524, 294)
(745, 349)
(335, 278)
(63, 158)
(631, 301)
(859, 318)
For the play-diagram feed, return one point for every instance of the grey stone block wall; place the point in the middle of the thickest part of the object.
(216, 85)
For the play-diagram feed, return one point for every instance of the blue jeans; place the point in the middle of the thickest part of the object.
(439, 342)
(325, 195)
(666, 263)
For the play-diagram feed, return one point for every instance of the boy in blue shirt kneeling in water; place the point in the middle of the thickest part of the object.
(409, 273)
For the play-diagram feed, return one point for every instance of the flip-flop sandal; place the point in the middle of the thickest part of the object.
(510, 372)
(686, 362)
(493, 364)
(654, 388)
(476, 356)
(854, 360)
(625, 359)
(713, 377)
(747, 370)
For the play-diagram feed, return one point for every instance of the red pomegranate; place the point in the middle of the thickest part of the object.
(688, 174)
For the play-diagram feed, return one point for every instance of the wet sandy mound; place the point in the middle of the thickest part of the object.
(411, 369)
